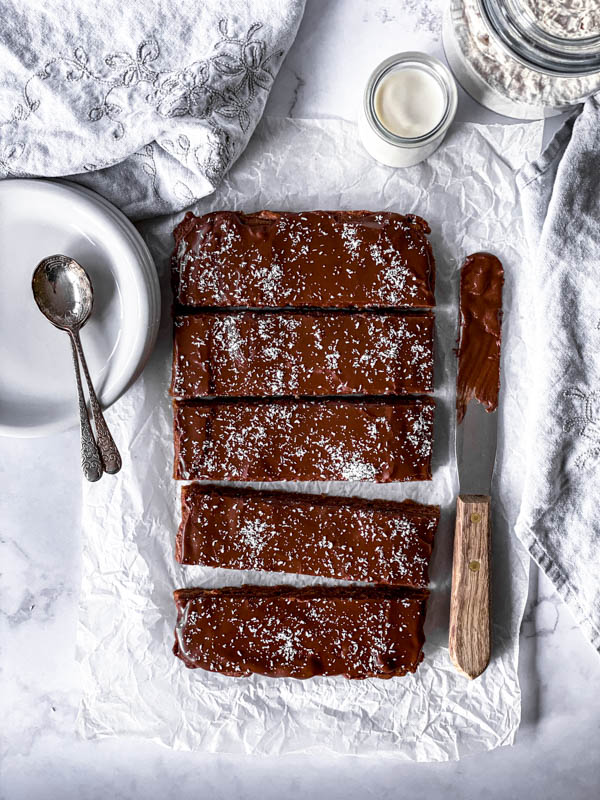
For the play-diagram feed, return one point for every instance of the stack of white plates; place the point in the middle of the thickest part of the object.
(39, 218)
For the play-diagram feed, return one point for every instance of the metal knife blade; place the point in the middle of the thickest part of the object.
(476, 439)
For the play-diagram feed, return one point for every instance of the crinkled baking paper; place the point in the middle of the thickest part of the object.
(132, 683)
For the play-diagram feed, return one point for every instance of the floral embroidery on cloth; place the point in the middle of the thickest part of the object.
(585, 423)
(223, 86)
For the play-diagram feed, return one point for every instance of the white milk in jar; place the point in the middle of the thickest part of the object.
(409, 103)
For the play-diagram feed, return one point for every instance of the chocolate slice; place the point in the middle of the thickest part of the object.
(332, 537)
(324, 259)
(255, 354)
(285, 440)
(284, 632)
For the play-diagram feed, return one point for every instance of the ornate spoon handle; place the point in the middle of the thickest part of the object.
(109, 452)
(91, 462)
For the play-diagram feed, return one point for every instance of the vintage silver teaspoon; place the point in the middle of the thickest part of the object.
(63, 291)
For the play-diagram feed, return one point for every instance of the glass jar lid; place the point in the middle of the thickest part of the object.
(543, 47)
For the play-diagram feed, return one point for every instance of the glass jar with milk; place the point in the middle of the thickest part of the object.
(408, 105)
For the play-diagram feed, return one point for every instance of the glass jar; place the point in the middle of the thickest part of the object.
(388, 147)
(522, 58)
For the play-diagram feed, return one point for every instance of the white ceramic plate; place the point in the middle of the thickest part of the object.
(37, 382)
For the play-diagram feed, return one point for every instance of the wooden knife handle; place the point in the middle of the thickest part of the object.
(470, 637)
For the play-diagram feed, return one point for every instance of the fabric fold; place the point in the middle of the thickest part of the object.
(559, 520)
(149, 105)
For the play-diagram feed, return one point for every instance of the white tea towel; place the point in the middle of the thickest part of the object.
(559, 520)
(152, 101)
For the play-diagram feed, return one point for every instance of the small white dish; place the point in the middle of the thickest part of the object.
(37, 385)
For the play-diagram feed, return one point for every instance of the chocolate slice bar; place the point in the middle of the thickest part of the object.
(285, 440)
(323, 259)
(284, 632)
(332, 537)
(255, 354)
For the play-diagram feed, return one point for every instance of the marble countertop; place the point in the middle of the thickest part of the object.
(556, 753)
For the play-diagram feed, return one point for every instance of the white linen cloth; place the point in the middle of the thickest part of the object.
(147, 103)
(559, 520)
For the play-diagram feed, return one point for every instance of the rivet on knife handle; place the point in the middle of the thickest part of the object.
(470, 636)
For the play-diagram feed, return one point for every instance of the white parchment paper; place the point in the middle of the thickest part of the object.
(132, 683)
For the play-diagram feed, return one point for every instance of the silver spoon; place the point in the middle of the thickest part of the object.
(63, 291)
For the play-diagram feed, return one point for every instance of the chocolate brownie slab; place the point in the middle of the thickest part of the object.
(348, 538)
(285, 632)
(323, 259)
(284, 440)
(254, 354)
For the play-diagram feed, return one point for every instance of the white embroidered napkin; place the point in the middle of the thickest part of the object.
(151, 101)
(559, 520)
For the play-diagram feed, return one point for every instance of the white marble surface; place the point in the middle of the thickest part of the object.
(556, 754)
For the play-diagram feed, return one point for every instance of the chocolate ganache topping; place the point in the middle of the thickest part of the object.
(320, 259)
(262, 354)
(313, 534)
(481, 281)
(286, 632)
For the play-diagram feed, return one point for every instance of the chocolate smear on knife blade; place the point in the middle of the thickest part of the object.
(481, 281)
